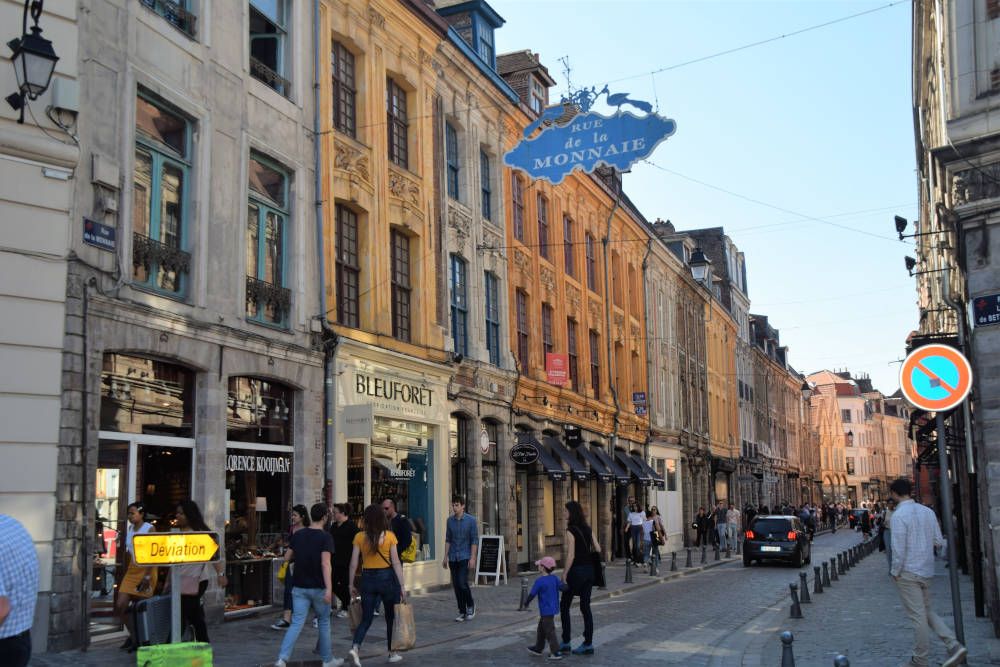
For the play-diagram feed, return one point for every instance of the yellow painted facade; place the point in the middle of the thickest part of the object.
(723, 405)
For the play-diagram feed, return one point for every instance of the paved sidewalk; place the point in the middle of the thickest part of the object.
(248, 642)
(861, 617)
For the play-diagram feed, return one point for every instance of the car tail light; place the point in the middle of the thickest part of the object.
(750, 535)
(791, 535)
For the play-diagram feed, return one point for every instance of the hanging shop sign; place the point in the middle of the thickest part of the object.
(574, 137)
(556, 368)
(524, 453)
(250, 463)
(986, 310)
(358, 421)
(484, 441)
(573, 435)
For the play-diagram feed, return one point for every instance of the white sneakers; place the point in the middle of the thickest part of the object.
(334, 662)
(395, 657)
(353, 655)
(280, 663)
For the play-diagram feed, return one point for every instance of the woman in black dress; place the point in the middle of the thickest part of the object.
(578, 577)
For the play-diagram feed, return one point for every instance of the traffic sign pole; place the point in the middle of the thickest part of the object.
(949, 524)
(175, 605)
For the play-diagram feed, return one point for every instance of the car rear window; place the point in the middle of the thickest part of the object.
(766, 526)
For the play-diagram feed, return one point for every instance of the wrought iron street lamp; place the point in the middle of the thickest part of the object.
(699, 265)
(806, 390)
(34, 60)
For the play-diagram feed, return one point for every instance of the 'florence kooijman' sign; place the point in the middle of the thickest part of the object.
(574, 137)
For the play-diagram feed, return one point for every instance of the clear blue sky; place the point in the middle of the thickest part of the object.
(818, 124)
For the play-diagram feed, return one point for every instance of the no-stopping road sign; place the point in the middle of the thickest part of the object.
(935, 377)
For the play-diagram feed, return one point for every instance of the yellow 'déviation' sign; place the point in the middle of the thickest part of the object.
(174, 548)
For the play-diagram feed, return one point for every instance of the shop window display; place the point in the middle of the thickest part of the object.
(147, 396)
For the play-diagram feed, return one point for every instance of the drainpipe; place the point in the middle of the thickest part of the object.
(649, 361)
(330, 338)
(615, 515)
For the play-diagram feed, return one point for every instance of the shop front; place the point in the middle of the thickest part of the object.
(393, 442)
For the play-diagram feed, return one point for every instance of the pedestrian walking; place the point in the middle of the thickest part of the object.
(298, 518)
(719, 517)
(915, 536)
(749, 512)
(343, 531)
(195, 576)
(885, 532)
(461, 540)
(18, 592)
(144, 577)
(702, 525)
(866, 525)
(648, 539)
(578, 575)
(659, 532)
(546, 589)
(633, 532)
(311, 550)
(382, 580)
(732, 526)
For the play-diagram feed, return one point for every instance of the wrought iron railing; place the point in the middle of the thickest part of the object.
(261, 71)
(174, 14)
(261, 294)
(149, 252)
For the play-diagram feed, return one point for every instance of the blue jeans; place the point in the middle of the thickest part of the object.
(635, 535)
(377, 585)
(652, 550)
(460, 582)
(721, 531)
(304, 599)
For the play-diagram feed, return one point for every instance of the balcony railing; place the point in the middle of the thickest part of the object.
(163, 264)
(267, 302)
(174, 14)
(261, 71)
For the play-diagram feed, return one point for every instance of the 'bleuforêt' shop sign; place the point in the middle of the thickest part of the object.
(574, 137)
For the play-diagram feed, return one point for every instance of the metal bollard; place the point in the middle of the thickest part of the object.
(716, 552)
(817, 581)
(673, 561)
(729, 550)
(796, 609)
(804, 587)
(628, 571)
(524, 594)
(840, 564)
(687, 562)
(826, 575)
(704, 554)
(841, 661)
(787, 658)
(739, 546)
(847, 562)
(853, 555)
(833, 569)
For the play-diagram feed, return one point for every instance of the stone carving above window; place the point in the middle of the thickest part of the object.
(548, 278)
(523, 262)
(403, 187)
(459, 220)
(572, 300)
(376, 18)
(351, 159)
(972, 185)
(619, 326)
(595, 314)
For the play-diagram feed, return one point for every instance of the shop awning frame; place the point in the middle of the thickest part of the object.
(577, 469)
(604, 474)
(658, 482)
(633, 467)
(621, 476)
(550, 466)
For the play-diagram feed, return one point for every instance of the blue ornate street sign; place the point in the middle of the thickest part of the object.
(574, 137)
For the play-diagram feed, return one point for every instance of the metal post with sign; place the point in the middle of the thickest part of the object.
(170, 549)
(938, 378)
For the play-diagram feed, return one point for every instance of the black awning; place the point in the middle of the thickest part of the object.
(658, 481)
(553, 469)
(637, 470)
(604, 474)
(620, 474)
(577, 469)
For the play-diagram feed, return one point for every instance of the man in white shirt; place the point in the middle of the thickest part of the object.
(915, 535)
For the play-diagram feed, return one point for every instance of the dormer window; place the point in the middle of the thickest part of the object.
(485, 46)
(538, 95)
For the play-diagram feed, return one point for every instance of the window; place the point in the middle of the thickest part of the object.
(521, 305)
(451, 159)
(395, 108)
(486, 44)
(549, 507)
(572, 353)
(491, 480)
(616, 278)
(175, 12)
(458, 441)
(486, 193)
(493, 318)
(344, 91)
(400, 286)
(517, 195)
(547, 342)
(636, 373)
(671, 474)
(591, 264)
(348, 267)
(595, 363)
(845, 416)
(459, 306)
(267, 43)
(159, 198)
(633, 286)
(267, 217)
(538, 95)
(568, 245)
(259, 411)
(850, 465)
(543, 226)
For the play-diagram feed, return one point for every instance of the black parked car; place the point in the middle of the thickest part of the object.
(776, 537)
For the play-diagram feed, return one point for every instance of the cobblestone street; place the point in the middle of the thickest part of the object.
(722, 616)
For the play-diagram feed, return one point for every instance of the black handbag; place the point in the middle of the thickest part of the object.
(597, 563)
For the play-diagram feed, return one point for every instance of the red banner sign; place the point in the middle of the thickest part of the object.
(556, 368)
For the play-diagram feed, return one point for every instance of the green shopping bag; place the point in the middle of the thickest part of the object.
(187, 654)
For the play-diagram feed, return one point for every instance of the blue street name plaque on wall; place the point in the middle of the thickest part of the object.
(99, 235)
(986, 310)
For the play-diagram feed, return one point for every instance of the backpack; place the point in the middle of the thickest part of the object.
(409, 554)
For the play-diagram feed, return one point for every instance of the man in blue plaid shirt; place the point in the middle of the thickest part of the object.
(18, 592)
